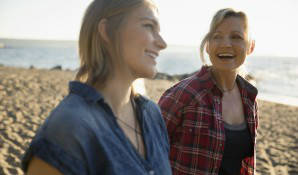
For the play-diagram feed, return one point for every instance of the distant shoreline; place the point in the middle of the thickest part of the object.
(285, 100)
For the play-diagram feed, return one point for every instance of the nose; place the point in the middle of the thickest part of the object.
(160, 42)
(226, 42)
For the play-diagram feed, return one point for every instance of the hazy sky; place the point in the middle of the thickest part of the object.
(273, 22)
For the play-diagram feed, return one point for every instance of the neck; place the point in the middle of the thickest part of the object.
(225, 80)
(117, 93)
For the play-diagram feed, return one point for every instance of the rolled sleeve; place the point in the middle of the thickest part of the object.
(53, 155)
(58, 142)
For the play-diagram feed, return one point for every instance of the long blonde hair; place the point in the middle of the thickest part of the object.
(96, 59)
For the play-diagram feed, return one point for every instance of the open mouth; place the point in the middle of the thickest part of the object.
(226, 56)
(151, 54)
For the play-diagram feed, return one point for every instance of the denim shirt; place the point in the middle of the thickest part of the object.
(81, 136)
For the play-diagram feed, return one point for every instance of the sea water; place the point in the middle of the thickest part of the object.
(276, 77)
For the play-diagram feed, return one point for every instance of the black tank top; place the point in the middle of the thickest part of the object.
(238, 145)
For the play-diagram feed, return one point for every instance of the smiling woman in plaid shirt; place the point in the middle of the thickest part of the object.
(211, 117)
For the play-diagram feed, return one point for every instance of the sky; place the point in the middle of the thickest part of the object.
(273, 23)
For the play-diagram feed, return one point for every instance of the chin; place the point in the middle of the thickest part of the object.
(228, 67)
(148, 73)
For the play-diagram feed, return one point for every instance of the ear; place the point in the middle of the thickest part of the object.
(251, 47)
(102, 29)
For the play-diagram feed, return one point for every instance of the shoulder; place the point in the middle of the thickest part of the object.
(247, 85)
(185, 92)
(62, 135)
(247, 88)
(70, 109)
(59, 140)
(67, 123)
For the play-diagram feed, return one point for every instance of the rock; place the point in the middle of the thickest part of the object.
(179, 77)
(58, 67)
(165, 76)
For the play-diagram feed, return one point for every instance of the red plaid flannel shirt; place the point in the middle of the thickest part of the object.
(192, 111)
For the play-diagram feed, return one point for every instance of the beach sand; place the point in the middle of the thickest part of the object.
(28, 95)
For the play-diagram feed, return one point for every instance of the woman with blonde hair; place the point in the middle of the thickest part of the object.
(211, 117)
(102, 126)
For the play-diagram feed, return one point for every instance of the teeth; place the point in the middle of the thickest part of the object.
(225, 55)
(151, 54)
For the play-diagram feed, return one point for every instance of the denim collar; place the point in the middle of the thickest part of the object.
(87, 92)
(91, 95)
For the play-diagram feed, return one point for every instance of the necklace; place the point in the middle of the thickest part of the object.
(135, 128)
(136, 124)
(129, 126)
(228, 90)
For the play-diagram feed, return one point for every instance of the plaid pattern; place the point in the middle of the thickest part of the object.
(192, 112)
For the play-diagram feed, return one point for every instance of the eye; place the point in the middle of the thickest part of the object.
(149, 26)
(238, 37)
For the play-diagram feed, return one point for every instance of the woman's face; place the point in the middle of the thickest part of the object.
(229, 45)
(141, 42)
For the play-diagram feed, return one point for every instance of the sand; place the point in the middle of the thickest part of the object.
(28, 95)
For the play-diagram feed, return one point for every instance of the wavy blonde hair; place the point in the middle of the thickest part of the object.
(96, 59)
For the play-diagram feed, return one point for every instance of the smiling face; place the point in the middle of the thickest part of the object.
(228, 44)
(141, 42)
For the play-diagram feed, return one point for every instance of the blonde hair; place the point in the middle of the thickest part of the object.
(216, 21)
(96, 59)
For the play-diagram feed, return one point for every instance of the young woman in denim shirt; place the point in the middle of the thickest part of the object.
(102, 126)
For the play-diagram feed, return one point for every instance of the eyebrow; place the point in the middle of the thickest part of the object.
(150, 19)
(234, 31)
(237, 32)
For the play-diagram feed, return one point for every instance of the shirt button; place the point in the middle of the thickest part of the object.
(151, 172)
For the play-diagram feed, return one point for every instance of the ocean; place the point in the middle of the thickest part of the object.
(276, 77)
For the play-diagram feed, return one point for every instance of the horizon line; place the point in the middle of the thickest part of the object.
(170, 45)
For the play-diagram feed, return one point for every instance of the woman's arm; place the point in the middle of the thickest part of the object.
(38, 166)
(171, 112)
